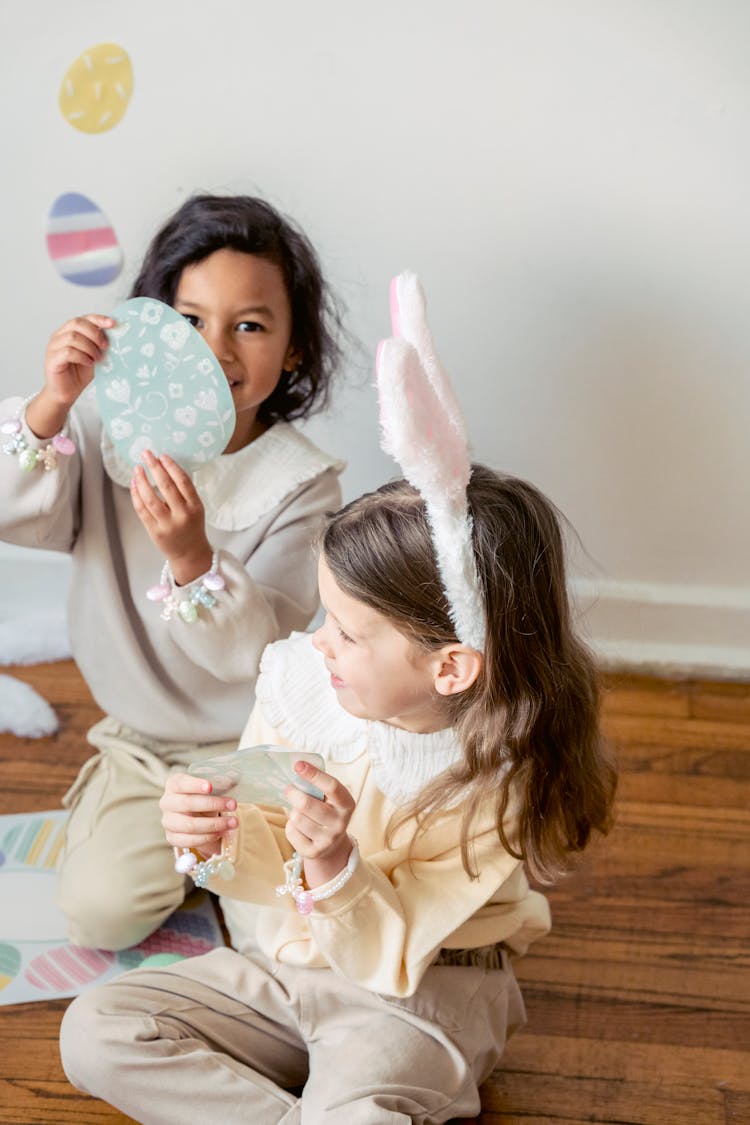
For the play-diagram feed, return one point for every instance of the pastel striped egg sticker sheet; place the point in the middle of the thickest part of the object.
(160, 387)
(96, 89)
(81, 241)
(37, 962)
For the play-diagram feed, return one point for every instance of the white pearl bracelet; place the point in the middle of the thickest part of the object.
(305, 899)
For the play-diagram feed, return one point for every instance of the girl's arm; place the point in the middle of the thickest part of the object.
(384, 928)
(267, 595)
(172, 514)
(40, 507)
(40, 483)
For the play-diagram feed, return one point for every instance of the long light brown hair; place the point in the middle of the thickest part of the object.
(529, 725)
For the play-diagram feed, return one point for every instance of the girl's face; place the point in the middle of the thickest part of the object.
(376, 672)
(239, 304)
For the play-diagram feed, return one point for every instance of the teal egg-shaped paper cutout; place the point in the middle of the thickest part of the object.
(160, 387)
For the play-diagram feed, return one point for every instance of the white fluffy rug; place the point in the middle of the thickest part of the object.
(29, 640)
(23, 712)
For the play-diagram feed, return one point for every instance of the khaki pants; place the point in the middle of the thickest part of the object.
(228, 1038)
(117, 881)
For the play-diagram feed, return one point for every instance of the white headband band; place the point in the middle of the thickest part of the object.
(424, 431)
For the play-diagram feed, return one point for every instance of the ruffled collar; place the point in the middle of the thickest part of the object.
(277, 463)
(296, 696)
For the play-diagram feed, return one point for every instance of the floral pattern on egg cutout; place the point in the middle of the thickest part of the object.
(96, 88)
(160, 387)
(81, 242)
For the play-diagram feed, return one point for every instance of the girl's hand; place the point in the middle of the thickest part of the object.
(68, 369)
(317, 829)
(190, 816)
(173, 516)
(71, 354)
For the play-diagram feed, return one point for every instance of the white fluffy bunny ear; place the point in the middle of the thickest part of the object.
(424, 431)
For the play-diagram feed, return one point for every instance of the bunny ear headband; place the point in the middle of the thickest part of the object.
(424, 431)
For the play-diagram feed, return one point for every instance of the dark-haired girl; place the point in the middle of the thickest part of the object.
(176, 690)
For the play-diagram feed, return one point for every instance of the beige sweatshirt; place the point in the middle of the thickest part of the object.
(174, 681)
(385, 926)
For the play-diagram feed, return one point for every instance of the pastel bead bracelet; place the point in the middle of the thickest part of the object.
(29, 458)
(197, 595)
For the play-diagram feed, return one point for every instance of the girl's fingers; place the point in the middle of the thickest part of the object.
(322, 835)
(183, 840)
(161, 478)
(335, 794)
(100, 321)
(85, 328)
(179, 478)
(141, 488)
(174, 484)
(196, 792)
(198, 825)
(299, 841)
(191, 805)
(78, 351)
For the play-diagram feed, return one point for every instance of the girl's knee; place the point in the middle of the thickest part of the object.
(84, 1039)
(104, 913)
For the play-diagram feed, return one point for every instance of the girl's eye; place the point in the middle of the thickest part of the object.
(249, 326)
(191, 319)
(345, 636)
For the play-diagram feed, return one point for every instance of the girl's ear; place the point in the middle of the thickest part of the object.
(292, 358)
(458, 667)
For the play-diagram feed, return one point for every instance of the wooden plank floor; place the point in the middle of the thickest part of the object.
(638, 1001)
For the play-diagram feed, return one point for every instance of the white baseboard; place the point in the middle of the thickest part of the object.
(667, 630)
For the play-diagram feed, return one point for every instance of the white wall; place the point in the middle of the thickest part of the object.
(570, 180)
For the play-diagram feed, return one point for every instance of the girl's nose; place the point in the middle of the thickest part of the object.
(319, 640)
(219, 343)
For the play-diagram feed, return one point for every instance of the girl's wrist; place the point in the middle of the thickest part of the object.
(188, 568)
(320, 871)
(305, 896)
(201, 591)
(45, 415)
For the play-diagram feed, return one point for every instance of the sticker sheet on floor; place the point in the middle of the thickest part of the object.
(36, 960)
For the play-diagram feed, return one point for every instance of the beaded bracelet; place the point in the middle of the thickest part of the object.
(29, 458)
(200, 871)
(305, 899)
(187, 607)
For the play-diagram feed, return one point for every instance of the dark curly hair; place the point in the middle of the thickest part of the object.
(206, 223)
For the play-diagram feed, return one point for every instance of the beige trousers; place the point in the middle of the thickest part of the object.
(117, 881)
(233, 1038)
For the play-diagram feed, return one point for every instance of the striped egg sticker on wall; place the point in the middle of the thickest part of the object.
(81, 241)
(96, 89)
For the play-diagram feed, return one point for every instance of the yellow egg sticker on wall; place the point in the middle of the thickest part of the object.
(96, 89)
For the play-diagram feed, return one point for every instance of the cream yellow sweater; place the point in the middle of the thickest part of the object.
(385, 926)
